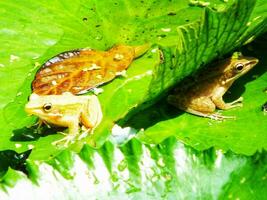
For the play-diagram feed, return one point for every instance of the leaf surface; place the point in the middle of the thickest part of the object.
(185, 38)
(169, 170)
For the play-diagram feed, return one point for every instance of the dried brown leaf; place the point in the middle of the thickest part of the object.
(78, 71)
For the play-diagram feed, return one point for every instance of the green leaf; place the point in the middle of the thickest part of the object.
(169, 170)
(188, 35)
(10, 179)
(250, 178)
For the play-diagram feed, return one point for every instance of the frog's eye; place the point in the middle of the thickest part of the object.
(239, 66)
(47, 107)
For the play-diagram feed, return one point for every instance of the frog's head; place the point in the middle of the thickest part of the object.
(238, 66)
(47, 107)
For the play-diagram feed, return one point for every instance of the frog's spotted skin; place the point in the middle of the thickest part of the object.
(80, 70)
(203, 97)
(66, 110)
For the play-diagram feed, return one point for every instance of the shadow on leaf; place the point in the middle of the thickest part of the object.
(34, 133)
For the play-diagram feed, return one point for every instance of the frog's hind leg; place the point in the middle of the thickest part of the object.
(214, 116)
(205, 107)
(200, 106)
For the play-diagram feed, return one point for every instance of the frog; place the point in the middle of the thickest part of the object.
(205, 92)
(66, 110)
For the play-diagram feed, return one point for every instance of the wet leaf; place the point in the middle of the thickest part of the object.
(169, 170)
(193, 36)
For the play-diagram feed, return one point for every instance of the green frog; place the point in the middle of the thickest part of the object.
(66, 110)
(206, 94)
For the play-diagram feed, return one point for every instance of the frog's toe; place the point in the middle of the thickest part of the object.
(238, 105)
(84, 133)
(235, 104)
(68, 139)
(237, 101)
(240, 99)
(220, 117)
(216, 117)
(63, 133)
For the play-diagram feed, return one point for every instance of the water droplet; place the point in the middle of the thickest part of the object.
(13, 58)
(118, 57)
(18, 145)
(243, 180)
(99, 37)
(19, 94)
(30, 146)
(166, 29)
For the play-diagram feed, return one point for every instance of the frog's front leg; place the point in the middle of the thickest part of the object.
(73, 129)
(219, 102)
(237, 102)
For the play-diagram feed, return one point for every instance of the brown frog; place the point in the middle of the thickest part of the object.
(206, 94)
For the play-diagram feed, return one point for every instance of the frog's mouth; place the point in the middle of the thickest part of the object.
(32, 110)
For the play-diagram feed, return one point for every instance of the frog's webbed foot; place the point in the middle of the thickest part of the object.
(70, 138)
(65, 141)
(215, 116)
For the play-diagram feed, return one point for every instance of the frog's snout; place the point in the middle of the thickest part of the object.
(254, 61)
